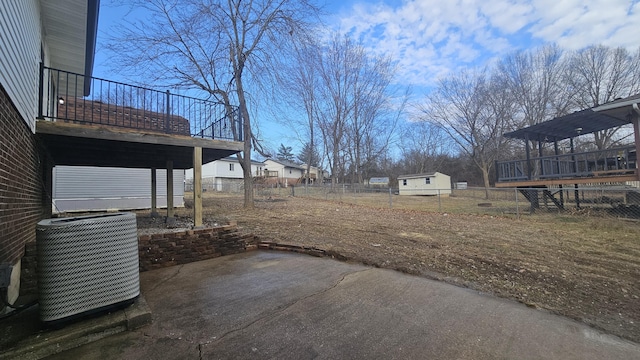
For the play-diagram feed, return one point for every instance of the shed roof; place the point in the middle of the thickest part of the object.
(430, 174)
(378, 180)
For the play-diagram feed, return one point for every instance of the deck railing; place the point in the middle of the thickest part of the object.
(618, 161)
(63, 97)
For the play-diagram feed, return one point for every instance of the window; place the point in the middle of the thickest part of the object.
(404, 182)
(231, 167)
(427, 181)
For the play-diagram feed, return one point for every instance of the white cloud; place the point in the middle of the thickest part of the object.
(430, 36)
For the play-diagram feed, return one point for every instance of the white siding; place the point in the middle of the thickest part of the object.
(439, 184)
(220, 169)
(84, 188)
(20, 39)
(284, 172)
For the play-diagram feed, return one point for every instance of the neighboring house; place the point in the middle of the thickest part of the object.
(88, 188)
(224, 174)
(284, 173)
(425, 184)
(32, 31)
(316, 174)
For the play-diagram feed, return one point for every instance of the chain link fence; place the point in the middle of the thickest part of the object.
(616, 201)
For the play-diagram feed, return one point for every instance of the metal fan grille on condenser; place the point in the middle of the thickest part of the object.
(86, 263)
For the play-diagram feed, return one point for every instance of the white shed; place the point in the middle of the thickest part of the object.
(425, 184)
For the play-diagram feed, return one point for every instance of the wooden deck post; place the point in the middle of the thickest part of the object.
(154, 193)
(635, 119)
(540, 155)
(197, 186)
(528, 153)
(169, 188)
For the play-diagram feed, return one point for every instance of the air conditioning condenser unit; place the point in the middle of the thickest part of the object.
(86, 264)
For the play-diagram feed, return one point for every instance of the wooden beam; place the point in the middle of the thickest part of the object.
(169, 189)
(197, 186)
(635, 119)
(582, 180)
(131, 135)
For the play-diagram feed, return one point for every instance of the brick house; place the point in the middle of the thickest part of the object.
(52, 112)
(60, 34)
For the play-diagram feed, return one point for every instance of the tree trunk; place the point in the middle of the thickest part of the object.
(246, 160)
(485, 178)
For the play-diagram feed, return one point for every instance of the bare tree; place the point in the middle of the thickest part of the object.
(346, 91)
(474, 111)
(372, 122)
(336, 72)
(600, 74)
(300, 84)
(535, 80)
(422, 144)
(219, 47)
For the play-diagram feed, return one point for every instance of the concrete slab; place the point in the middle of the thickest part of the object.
(25, 337)
(289, 306)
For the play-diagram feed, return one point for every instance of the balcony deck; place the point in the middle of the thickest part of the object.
(606, 166)
(122, 125)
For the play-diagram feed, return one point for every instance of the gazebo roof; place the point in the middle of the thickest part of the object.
(568, 126)
(612, 114)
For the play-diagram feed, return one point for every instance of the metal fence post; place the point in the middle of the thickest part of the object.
(167, 115)
(517, 207)
(439, 202)
(390, 200)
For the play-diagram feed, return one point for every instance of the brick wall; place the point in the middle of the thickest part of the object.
(162, 250)
(168, 249)
(22, 200)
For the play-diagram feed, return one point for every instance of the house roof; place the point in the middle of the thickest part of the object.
(620, 108)
(610, 115)
(430, 174)
(233, 158)
(97, 112)
(286, 163)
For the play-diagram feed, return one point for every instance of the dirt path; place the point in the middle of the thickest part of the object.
(584, 268)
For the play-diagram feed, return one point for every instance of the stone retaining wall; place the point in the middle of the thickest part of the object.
(162, 250)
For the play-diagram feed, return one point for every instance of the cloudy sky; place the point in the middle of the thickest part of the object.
(430, 38)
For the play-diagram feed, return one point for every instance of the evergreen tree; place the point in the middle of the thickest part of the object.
(309, 155)
(284, 153)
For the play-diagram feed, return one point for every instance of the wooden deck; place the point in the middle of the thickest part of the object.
(597, 178)
(100, 145)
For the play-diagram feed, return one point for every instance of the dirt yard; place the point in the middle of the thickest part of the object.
(585, 268)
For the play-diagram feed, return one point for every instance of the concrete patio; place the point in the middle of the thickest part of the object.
(267, 304)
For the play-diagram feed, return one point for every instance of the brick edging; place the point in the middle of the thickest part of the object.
(309, 250)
